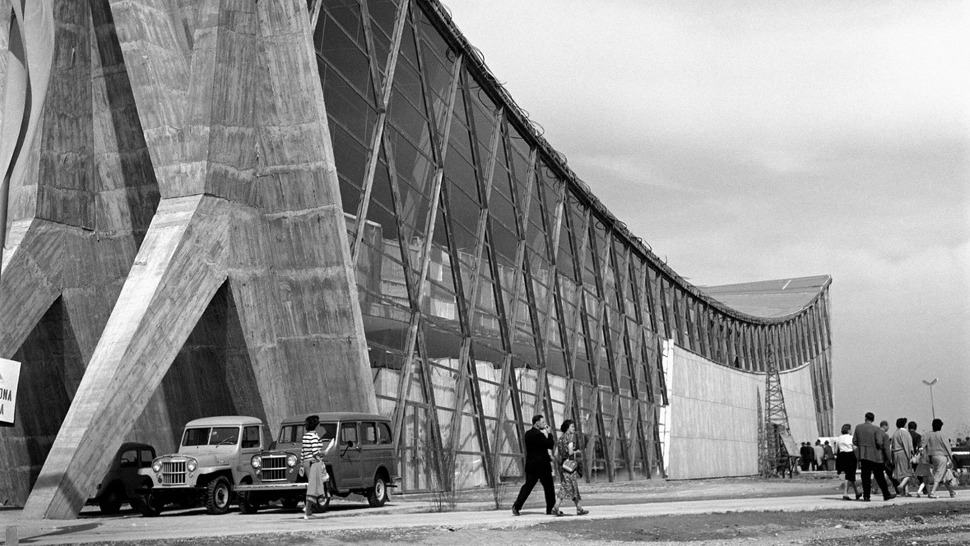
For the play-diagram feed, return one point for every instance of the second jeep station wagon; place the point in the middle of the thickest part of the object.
(358, 452)
(213, 459)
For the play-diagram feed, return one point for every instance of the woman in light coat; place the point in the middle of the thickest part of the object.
(938, 450)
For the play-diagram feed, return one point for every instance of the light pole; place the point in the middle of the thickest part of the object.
(930, 384)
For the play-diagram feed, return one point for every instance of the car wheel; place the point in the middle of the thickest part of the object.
(110, 503)
(109, 507)
(248, 503)
(147, 505)
(217, 495)
(377, 495)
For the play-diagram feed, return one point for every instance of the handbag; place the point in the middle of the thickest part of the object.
(950, 478)
(569, 465)
(915, 459)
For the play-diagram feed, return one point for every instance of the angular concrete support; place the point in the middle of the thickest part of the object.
(179, 267)
(236, 126)
(81, 196)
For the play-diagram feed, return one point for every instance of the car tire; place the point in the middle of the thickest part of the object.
(248, 503)
(377, 495)
(218, 496)
(110, 502)
(147, 505)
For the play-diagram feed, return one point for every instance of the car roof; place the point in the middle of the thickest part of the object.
(133, 445)
(335, 416)
(224, 420)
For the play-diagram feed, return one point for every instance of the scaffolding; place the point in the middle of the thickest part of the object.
(777, 454)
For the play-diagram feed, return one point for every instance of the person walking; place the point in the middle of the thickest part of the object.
(924, 471)
(941, 457)
(828, 456)
(887, 454)
(869, 444)
(918, 456)
(902, 453)
(817, 462)
(311, 455)
(567, 449)
(538, 465)
(806, 455)
(845, 461)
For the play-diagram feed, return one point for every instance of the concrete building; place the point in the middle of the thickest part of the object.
(265, 208)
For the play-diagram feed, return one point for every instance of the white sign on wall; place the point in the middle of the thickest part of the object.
(9, 376)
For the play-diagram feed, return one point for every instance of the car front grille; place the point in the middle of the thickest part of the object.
(274, 468)
(173, 473)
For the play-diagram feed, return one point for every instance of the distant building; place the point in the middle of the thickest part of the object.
(335, 206)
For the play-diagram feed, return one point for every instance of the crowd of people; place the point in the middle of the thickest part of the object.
(897, 461)
(902, 462)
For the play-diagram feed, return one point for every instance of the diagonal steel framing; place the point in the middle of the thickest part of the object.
(382, 92)
(523, 280)
(467, 366)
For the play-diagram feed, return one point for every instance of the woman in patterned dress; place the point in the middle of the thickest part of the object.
(568, 481)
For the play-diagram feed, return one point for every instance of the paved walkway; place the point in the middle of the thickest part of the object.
(400, 514)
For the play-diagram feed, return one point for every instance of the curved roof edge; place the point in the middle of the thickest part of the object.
(771, 298)
(475, 63)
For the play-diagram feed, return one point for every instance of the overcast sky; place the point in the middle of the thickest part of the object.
(755, 140)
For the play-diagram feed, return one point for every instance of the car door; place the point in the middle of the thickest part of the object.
(385, 449)
(369, 452)
(128, 465)
(349, 457)
(250, 444)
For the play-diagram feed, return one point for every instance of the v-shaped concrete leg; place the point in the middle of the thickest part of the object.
(179, 266)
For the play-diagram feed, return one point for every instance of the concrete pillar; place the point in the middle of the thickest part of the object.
(230, 104)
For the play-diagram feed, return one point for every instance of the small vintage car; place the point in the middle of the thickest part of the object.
(358, 452)
(214, 457)
(121, 481)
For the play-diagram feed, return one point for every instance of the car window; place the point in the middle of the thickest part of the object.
(129, 459)
(290, 434)
(224, 436)
(327, 431)
(384, 433)
(368, 434)
(195, 437)
(348, 433)
(250, 437)
(147, 456)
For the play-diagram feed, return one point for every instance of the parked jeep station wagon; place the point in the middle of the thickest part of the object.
(212, 460)
(358, 452)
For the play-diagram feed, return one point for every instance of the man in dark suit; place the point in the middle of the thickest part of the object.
(807, 454)
(538, 465)
(869, 443)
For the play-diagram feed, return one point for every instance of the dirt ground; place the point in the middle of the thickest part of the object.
(919, 523)
(914, 524)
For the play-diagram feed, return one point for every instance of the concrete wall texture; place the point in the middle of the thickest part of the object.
(715, 415)
(262, 208)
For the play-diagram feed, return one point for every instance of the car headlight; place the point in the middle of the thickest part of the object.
(256, 461)
(291, 460)
(192, 465)
(157, 466)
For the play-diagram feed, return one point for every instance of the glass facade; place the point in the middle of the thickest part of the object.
(493, 285)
